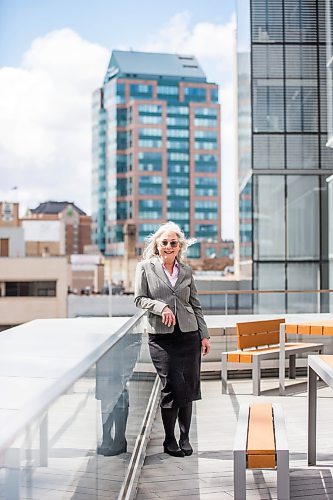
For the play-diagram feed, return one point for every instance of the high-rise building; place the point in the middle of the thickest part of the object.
(329, 62)
(156, 152)
(286, 182)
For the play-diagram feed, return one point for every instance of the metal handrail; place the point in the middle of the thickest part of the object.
(256, 292)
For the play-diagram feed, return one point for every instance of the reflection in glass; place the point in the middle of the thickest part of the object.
(269, 217)
(113, 372)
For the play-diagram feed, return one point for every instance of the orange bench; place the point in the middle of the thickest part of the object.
(261, 443)
(257, 340)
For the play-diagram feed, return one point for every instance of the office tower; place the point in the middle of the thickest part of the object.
(286, 183)
(156, 152)
(329, 62)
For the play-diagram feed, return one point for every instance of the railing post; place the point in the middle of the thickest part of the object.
(44, 441)
(12, 465)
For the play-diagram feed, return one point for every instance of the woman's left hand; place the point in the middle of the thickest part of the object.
(205, 346)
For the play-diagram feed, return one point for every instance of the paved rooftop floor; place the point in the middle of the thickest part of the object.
(208, 473)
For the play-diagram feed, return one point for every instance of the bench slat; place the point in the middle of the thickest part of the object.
(258, 333)
(258, 339)
(249, 327)
(260, 439)
(261, 461)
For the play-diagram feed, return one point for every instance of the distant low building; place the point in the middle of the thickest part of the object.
(56, 228)
(11, 232)
(33, 288)
(87, 273)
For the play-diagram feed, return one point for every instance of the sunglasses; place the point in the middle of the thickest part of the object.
(173, 243)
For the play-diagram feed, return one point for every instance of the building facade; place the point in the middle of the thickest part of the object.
(286, 186)
(56, 228)
(156, 152)
(33, 288)
(11, 231)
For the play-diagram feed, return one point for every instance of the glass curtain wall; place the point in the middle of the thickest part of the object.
(329, 58)
(290, 161)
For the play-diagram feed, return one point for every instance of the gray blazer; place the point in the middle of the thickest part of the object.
(153, 291)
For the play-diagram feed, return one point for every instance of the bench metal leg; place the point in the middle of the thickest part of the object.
(224, 373)
(282, 360)
(256, 375)
(239, 475)
(312, 411)
(283, 488)
(292, 366)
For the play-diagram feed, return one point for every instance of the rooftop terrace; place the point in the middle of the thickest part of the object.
(51, 408)
(208, 473)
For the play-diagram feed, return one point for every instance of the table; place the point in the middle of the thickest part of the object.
(317, 328)
(321, 366)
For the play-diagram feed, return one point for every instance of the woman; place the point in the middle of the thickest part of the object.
(177, 330)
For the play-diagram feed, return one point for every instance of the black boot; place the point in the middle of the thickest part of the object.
(119, 444)
(184, 420)
(107, 440)
(169, 417)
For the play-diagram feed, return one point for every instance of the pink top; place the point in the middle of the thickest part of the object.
(175, 273)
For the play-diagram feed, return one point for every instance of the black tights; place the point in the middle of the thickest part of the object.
(169, 417)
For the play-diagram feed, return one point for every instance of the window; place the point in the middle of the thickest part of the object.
(140, 90)
(178, 110)
(205, 186)
(146, 230)
(150, 108)
(206, 232)
(167, 91)
(150, 132)
(149, 161)
(30, 288)
(268, 109)
(178, 168)
(120, 93)
(205, 122)
(206, 209)
(150, 119)
(194, 94)
(150, 143)
(150, 184)
(214, 95)
(177, 121)
(172, 144)
(4, 247)
(202, 112)
(150, 209)
(206, 163)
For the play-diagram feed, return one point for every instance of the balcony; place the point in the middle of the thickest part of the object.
(60, 380)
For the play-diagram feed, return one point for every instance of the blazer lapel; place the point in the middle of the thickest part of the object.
(181, 275)
(158, 270)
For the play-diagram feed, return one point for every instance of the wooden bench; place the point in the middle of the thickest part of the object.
(257, 340)
(261, 443)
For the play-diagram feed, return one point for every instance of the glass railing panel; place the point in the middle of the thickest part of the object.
(81, 447)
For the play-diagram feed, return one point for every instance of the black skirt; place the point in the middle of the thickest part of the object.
(177, 358)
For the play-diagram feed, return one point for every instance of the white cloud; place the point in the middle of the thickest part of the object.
(214, 46)
(45, 126)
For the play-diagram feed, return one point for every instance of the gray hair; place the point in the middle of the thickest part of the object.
(152, 240)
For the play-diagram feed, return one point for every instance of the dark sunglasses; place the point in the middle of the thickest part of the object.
(173, 243)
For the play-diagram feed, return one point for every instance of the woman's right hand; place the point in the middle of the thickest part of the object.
(168, 318)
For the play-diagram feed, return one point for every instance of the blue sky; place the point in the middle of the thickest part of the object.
(109, 23)
(52, 45)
